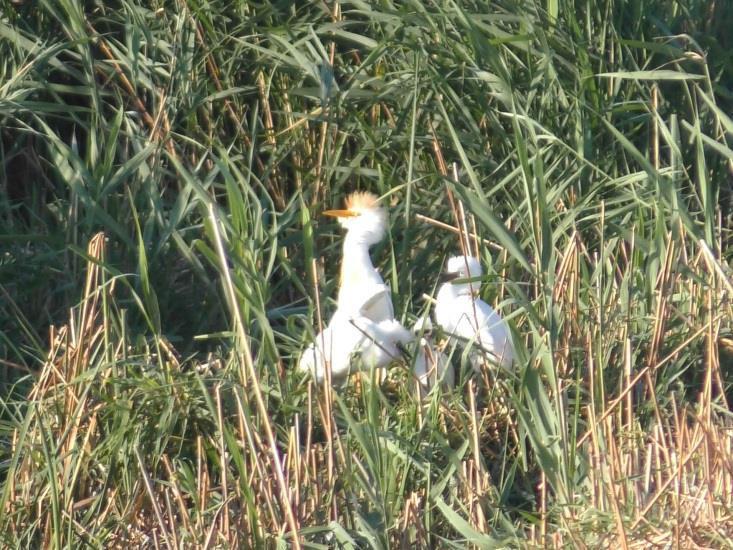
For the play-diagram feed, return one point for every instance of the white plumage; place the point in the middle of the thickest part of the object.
(463, 314)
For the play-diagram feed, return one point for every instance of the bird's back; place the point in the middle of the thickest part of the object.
(347, 336)
(494, 334)
(455, 313)
(381, 345)
(476, 322)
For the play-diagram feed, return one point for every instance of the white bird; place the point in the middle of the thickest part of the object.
(430, 364)
(362, 290)
(354, 342)
(363, 327)
(462, 313)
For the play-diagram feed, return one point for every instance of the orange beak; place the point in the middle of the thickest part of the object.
(341, 213)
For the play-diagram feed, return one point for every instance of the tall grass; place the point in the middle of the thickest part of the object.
(163, 265)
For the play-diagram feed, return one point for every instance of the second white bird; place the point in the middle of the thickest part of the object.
(462, 313)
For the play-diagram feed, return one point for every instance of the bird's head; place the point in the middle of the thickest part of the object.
(463, 267)
(364, 219)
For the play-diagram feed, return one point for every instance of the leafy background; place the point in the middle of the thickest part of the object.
(588, 144)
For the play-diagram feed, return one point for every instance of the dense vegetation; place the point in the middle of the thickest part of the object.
(147, 385)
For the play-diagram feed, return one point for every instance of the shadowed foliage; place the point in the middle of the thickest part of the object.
(163, 263)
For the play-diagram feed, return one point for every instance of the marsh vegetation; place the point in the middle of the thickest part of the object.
(163, 264)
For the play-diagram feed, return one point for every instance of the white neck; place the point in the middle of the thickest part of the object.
(446, 293)
(357, 268)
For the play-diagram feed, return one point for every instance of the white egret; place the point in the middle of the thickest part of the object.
(362, 289)
(430, 364)
(363, 327)
(462, 313)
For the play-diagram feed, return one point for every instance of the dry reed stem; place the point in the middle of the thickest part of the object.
(457, 231)
(172, 479)
(641, 374)
(223, 461)
(249, 364)
(151, 495)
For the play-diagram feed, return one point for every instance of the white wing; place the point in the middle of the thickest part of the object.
(493, 334)
(382, 340)
(476, 322)
(346, 337)
(378, 305)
